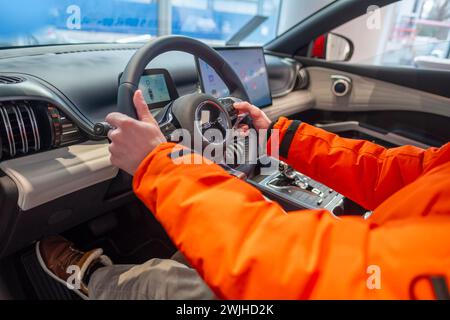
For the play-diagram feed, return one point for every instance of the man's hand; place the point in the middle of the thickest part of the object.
(133, 140)
(260, 120)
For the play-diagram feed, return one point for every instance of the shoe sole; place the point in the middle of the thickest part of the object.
(54, 277)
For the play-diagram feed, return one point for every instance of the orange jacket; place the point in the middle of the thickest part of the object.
(248, 248)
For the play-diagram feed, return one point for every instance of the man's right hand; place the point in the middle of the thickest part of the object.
(260, 120)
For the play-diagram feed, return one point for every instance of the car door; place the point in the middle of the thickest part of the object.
(380, 74)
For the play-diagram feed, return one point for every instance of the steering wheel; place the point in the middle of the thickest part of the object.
(187, 112)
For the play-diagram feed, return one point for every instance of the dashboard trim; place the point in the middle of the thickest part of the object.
(291, 104)
(43, 177)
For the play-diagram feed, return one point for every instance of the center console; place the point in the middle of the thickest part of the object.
(295, 191)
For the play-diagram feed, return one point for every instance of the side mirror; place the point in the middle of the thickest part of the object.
(332, 47)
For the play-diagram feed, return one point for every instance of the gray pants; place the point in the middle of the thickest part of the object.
(156, 279)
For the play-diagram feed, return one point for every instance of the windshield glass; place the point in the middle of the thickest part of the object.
(249, 22)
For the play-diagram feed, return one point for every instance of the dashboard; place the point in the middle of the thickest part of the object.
(248, 63)
(50, 99)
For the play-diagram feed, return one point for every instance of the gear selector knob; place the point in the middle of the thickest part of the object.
(289, 173)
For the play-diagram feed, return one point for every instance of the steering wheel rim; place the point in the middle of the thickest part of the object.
(129, 81)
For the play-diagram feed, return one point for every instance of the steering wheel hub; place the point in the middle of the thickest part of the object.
(212, 122)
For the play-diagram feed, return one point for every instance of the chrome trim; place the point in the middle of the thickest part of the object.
(68, 128)
(23, 132)
(346, 81)
(6, 129)
(341, 77)
(34, 125)
(304, 75)
(222, 111)
(69, 132)
(9, 132)
(23, 108)
(169, 120)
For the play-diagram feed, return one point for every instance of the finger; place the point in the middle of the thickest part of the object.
(114, 161)
(242, 106)
(243, 133)
(115, 150)
(116, 119)
(245, 107)
(244, 128)
(113, 134)
(111, 149)
(142, 110)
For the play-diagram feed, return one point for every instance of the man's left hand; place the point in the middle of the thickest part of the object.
(132, 140)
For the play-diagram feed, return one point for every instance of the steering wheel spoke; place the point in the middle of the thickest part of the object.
(167, 130)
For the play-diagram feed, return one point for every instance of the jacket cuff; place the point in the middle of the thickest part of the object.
(164, 148)
(283, 132)
(277, 125)
(288, 138)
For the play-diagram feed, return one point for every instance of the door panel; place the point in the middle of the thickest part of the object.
(384, 111)
(426, 80)
(369, 94)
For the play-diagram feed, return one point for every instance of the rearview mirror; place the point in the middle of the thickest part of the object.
(331, 47)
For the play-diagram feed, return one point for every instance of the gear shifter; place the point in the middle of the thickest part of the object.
(299, 190)
(296, 179)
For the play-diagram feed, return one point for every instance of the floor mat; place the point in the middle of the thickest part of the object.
(44, 286)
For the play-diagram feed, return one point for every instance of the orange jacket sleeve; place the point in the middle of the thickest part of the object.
(248, 248)
(363, 171)
(242, 245)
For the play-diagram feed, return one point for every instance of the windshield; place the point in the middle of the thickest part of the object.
(218, 22)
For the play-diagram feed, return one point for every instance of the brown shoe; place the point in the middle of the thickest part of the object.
(67, 265)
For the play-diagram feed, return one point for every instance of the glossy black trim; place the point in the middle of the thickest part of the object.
(9, 195)
(425, 128)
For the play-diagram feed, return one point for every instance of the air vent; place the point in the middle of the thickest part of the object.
(64, 131)
(19, 130)
(10, 79)
(28, 127)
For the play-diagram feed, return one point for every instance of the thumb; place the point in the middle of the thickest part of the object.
(142, 110)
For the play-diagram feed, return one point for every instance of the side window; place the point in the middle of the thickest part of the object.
(412, 33)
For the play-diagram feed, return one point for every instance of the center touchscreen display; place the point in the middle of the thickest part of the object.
(250, 66)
